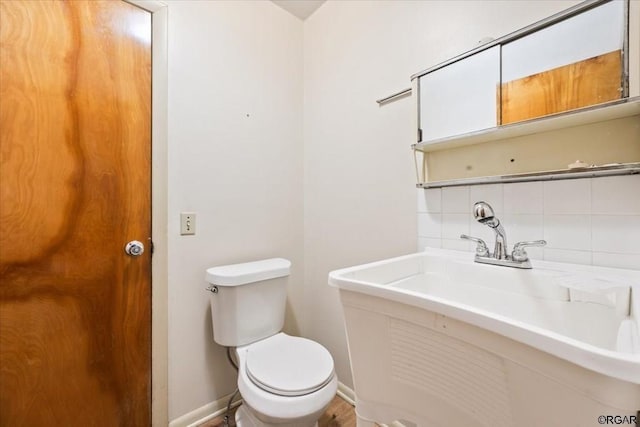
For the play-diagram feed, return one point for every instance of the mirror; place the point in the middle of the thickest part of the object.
(537, 100)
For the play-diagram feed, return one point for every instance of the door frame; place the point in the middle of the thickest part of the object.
(159, 214)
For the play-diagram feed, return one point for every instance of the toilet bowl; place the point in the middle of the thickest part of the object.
(284, 381)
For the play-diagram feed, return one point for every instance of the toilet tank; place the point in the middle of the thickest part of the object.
(248, 300)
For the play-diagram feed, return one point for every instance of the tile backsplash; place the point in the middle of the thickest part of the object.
(584, 221)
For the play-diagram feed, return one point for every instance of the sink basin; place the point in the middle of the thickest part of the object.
(466, 337)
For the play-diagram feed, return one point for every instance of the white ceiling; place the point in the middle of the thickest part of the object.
(300, 8)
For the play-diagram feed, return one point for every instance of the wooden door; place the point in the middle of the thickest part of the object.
(75, 129)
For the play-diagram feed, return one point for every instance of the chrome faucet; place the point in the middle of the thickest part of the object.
(483, 213)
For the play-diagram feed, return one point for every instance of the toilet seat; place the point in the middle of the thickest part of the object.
(288, 366)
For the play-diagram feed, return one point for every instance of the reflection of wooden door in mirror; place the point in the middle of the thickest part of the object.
(581, 84)
(574, 63)
(75, 143)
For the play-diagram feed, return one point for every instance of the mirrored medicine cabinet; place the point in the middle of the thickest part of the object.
(529, 105)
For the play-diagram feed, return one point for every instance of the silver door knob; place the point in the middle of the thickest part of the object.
(134, 248)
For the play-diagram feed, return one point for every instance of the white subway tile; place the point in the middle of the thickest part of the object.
(568, 232)
(571, 196)
(490, 193)
(458, 245)
(617, 234)
(430, 225)
(426, 242)
(421, 200)
(630, 261)
(453, 225)
(430, 200)
(565, 255)
(523, 198)
(456, 200)
(616, 195)
(600, 215)
(520, 227)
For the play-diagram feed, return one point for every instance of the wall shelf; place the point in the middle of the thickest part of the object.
(590, 172)
(594, 114)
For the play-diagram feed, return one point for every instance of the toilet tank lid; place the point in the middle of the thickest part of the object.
(248, 272)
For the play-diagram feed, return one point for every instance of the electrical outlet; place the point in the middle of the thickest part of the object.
(187, 223)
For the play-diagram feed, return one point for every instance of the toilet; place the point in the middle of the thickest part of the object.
(284, 381)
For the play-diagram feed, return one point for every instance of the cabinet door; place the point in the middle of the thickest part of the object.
(574, 63)
(460, 97)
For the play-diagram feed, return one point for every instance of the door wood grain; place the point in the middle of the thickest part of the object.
(75, 143)
(581, 84)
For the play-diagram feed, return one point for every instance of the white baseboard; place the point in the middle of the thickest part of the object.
(205, 413)
(219, 407)
(346, 393)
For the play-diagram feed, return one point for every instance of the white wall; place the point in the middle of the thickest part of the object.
(359, 174)
(584, 221)
(235, 158)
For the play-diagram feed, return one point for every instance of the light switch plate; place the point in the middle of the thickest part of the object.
(187, 223)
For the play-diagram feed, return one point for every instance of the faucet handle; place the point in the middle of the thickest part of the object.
(520, 254)
(481, 248)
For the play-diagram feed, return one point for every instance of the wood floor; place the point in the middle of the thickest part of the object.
(339, 414)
